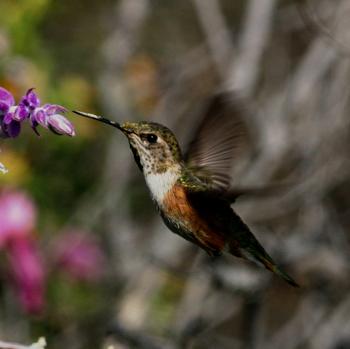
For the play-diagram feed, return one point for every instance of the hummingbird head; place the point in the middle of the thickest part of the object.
(155, 149)
(154, 146)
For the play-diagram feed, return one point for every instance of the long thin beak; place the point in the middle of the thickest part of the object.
(99, 118)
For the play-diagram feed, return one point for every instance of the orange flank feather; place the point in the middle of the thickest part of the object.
(177, 206)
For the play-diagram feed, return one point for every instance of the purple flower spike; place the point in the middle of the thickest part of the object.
(30, 100)
(12, 129)
(6, 111)
(39, 116)
(20, 113)
(11, 122)
(51, 109)
(6, 100)
(49, 115)
(16, 113)
(58, 124)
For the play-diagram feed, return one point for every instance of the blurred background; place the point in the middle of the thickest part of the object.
(91, 264)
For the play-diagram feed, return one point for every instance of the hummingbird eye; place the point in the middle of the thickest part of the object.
(151, 138)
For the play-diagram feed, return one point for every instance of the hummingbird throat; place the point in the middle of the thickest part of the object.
(161, 183)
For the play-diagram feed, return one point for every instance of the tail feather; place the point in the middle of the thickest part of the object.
(269, 264)
(282, 274)
(260, 256)
(244, 244)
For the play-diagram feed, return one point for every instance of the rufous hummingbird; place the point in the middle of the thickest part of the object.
(192, 190)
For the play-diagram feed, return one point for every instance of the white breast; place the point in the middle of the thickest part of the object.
(160, 183)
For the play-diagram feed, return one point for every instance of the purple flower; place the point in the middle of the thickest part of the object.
(49, 115)
(9, 115)
(16, 113)
(6, 101)
(79, 255)
(30, 100)
(10, 129)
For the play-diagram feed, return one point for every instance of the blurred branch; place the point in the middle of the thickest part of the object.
(300, 327)
(134, 339)
(314, 23)
(335, 326)
(312, 68)
(119, 46)
(216, 31)
(129, 17)
(244, 72)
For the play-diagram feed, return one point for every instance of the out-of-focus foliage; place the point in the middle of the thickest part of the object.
(159, 60)
(55, 171)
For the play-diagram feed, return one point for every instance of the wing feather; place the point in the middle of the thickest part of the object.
(219, 140)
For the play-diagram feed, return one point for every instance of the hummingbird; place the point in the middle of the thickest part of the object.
(192, 189)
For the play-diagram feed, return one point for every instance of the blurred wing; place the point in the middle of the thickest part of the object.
(269, 190)
(219, 140)
(230, 195)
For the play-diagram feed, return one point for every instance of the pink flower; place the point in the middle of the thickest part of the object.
(17, 222)
(79, 255)
(17, 216)
(27, 273)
